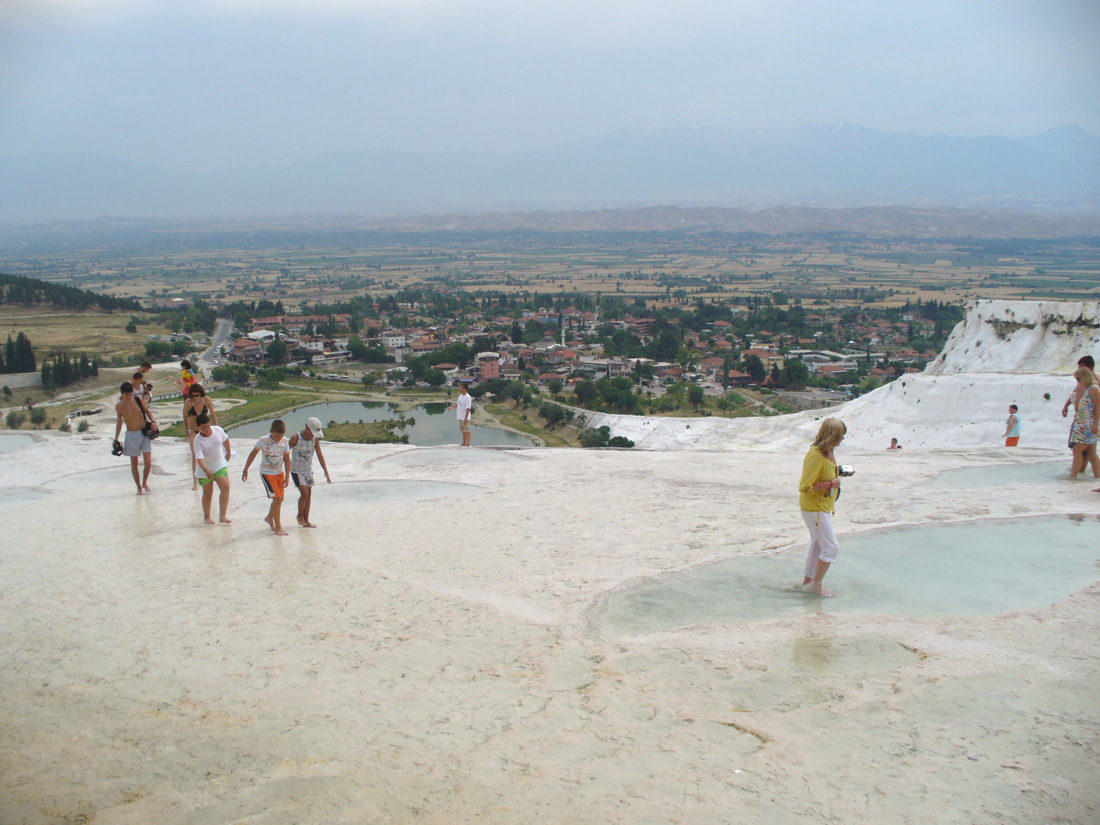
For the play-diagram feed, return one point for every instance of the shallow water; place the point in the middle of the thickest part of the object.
(1000, 474)
(9, 442)
(21, 495)
(969, 569)
(434, 426)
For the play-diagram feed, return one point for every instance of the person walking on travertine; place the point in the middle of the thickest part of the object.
(274, 471)
(303, 445)
(137, 418)
(212, 452)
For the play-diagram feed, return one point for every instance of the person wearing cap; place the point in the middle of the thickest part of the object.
(302, 447)
(464, 404)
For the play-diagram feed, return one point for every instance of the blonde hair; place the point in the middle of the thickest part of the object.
(832, 430)
(1085, 376)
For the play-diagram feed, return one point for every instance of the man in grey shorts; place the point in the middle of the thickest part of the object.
(134, 414)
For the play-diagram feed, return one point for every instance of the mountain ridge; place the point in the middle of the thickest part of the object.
(840, 166)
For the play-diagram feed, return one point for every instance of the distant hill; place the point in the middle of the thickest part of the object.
(885, 222)
(838, 166)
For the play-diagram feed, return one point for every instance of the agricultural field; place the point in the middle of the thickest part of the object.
(657, 266)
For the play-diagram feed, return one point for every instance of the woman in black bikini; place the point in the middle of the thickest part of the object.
(193, 406)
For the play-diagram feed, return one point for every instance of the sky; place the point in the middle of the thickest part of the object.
(205, 85)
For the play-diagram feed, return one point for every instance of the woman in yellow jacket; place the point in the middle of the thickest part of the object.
(818, 491)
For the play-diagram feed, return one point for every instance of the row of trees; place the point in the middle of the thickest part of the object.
(64, 371)
(18, 355)
(23, 291)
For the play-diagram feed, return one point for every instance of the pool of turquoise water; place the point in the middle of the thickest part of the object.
(965, 569)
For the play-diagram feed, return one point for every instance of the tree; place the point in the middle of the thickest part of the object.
(554, 385)
(157, 350)
(435, 378)
(7, 391)
(755, 368)
(726, 402)
(277, 351)
(131, 327)
(14, 420)
(586, 393)
(553, 413)
(795, 373)
(696, 396)
(517, 333)
(371, 378)
(38, 416)
(231, 374)
(24, 355)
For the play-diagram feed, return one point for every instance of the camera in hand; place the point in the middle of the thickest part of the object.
(845, 470)
(116, 448)
(150, 431)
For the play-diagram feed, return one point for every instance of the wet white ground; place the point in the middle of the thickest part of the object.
(436, 651)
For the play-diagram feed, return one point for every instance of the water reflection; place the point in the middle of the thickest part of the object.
(426, 425)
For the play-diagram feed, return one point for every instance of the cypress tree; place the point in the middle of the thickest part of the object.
(24, 354)
(9, 355)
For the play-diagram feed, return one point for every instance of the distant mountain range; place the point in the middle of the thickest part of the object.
(832, 166)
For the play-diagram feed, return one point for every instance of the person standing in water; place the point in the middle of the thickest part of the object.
(302, 447)
(1012, 427)
(818, 490)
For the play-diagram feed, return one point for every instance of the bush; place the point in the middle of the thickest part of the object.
(601, 438)
(38, 416)
(64, 428)
(82, 427)
(15, 420)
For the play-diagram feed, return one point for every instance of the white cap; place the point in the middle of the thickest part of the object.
(314, 425)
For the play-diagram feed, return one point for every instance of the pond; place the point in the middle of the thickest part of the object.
(967, 569)
(997, 475)
(13, 441)
(435, 426)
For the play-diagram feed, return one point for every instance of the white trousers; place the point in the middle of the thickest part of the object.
(823, 544)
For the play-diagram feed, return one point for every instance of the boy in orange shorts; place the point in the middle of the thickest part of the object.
(274, 470)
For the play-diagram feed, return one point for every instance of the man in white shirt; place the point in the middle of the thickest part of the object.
(464, 404)
(212, 452)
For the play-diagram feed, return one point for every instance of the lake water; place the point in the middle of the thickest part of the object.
(13, 441)
(968, 569)
(435, 426)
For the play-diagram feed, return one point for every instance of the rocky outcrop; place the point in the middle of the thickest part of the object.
(1021, 336)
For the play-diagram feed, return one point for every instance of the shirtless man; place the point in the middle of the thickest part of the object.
(137, 442)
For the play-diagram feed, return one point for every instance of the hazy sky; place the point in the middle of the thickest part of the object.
(201, 85)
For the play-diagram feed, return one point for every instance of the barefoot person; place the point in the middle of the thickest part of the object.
(818, 490)
(274, 470)
(463, 404)
(1084, 431)
(302, 447)
(1012, 427)
(195, 403)
(139, 423)
(212, 451)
